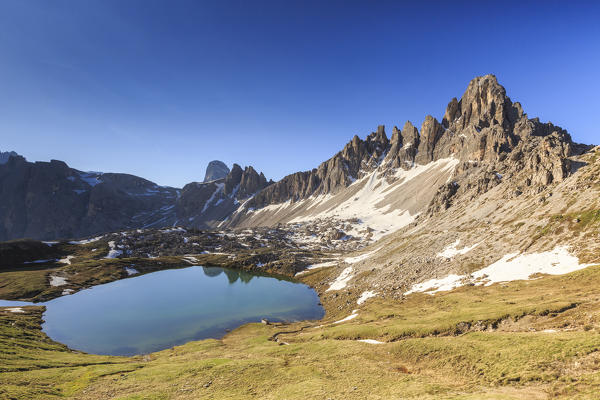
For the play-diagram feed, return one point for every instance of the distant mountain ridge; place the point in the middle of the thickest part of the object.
(50, 200)
(5, 155)
(46, 200)
(207, 204)
(376, 185)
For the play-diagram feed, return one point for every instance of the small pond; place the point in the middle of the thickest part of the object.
(156, 311)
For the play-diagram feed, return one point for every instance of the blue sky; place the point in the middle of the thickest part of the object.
(160, 88)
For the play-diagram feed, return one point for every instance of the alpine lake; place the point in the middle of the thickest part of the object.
(156, 311)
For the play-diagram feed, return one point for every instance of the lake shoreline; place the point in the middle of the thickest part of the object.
(205, 313)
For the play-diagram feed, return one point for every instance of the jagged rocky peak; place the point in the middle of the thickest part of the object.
(216, 170)
(431, 133)
(232, 180)
(243, 183)
(207, 204)
(493, 137)
(484, 125)
(5, 155)
(403, 147)
(356, 158)
(483, 104)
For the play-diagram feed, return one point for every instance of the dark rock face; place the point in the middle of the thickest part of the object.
(18, 252)
(431, 133)
(251, 182)
(50, 200)
(215, 170)
(403, 147)
(206, 205)
(244, 183)
(5, 155)
(357, 158)
(194, 197)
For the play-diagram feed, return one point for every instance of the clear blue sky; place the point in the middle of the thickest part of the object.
(159, 88)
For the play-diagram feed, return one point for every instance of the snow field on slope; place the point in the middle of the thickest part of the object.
(511, 267)
(371, 204)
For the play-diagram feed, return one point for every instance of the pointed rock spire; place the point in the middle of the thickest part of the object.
(431, 132)
(233, 179)
(215, 170)
(483, 104)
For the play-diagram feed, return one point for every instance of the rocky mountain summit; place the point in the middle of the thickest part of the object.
(484, 126)
(215, 170)
(5, 155)
(207, 204)
(483, 138)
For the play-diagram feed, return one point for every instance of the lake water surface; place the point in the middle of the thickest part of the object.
(167, 308)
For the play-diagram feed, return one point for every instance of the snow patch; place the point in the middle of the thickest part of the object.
(315, 266)
(370, 341)
(177, 229)
(511, 267)
(113, 252)
(448, 283)
(66, 260)
(38, 261)
(91, 178)
(131, 271)
(218, 190)
(342, 280)
(362, 257)
(371, 203)
(452, 251)
(365, 296)
(348, 318)
(14, 310)
(190, 259)
(86, 241)
(57, 281)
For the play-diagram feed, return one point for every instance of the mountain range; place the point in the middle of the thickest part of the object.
(371, 188)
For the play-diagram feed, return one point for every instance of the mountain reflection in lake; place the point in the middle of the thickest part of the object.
(232, 274)
(166, 308)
